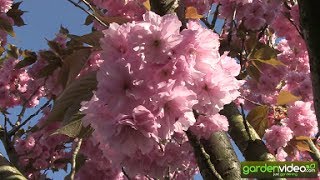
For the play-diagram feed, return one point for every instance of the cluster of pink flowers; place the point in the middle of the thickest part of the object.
(5, 19)
(97, 164)
(16, 86)
(279, 136)
(254, 14)
(40, 150)
(301, 119)
(130, 9)
(5, 5)
(298, 118)
(152, 78)
(299, 122)
(93, 63)
(51, 84)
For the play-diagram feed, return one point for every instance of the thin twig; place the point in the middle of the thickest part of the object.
(241, 59)
(205, 21)
(6, 139)
(232, 26)
(291, 21)
(255, 103)
(167, 177)
(24, 105)
(6, 118)
(125, 173)
(16, 128)
(181, 13)
(245, 122)
(74, 159)
(215, 17)
(296, 27)
(315, 151)
(88, 12)
(149, 178)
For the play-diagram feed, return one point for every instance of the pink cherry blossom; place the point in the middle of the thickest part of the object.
(278, 136)
(205, 126)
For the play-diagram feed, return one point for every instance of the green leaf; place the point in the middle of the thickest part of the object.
(89, 20)
(258, 118)
(30, 58)
(63, 30)
(265, 52)
(285, 97)
(302, 146)
(267, 55)
(77, 91)
(72, 129)
(91, 39)
(50, 57)
(56, 47)
(253, 72)
(2, 50)
(6, 26)
(75, 128)
(73, 64)
(251, 39)
(301, 143)
(48, 70)
(274, 62)
(13, 51)
(15, 13)
(73, 44)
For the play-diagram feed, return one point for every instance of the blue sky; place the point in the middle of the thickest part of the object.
(43, 20)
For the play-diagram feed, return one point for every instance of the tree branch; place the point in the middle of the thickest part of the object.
(252, 148)
(163, 7)
(16, 128)
(222, 155)
(88, 12)
(207, 170)
(315, 151)
(74, 159)
(309, 18)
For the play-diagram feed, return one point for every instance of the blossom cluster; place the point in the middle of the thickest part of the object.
(151, 80)
(41, 150)
(5, 6)
(17, 86)
(254, 14)
(97, 164)
(130, 9)
(294, 119)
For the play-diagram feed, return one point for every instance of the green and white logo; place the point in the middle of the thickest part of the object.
(263, 169)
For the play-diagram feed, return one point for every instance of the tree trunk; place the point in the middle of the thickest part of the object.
(310, 23)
